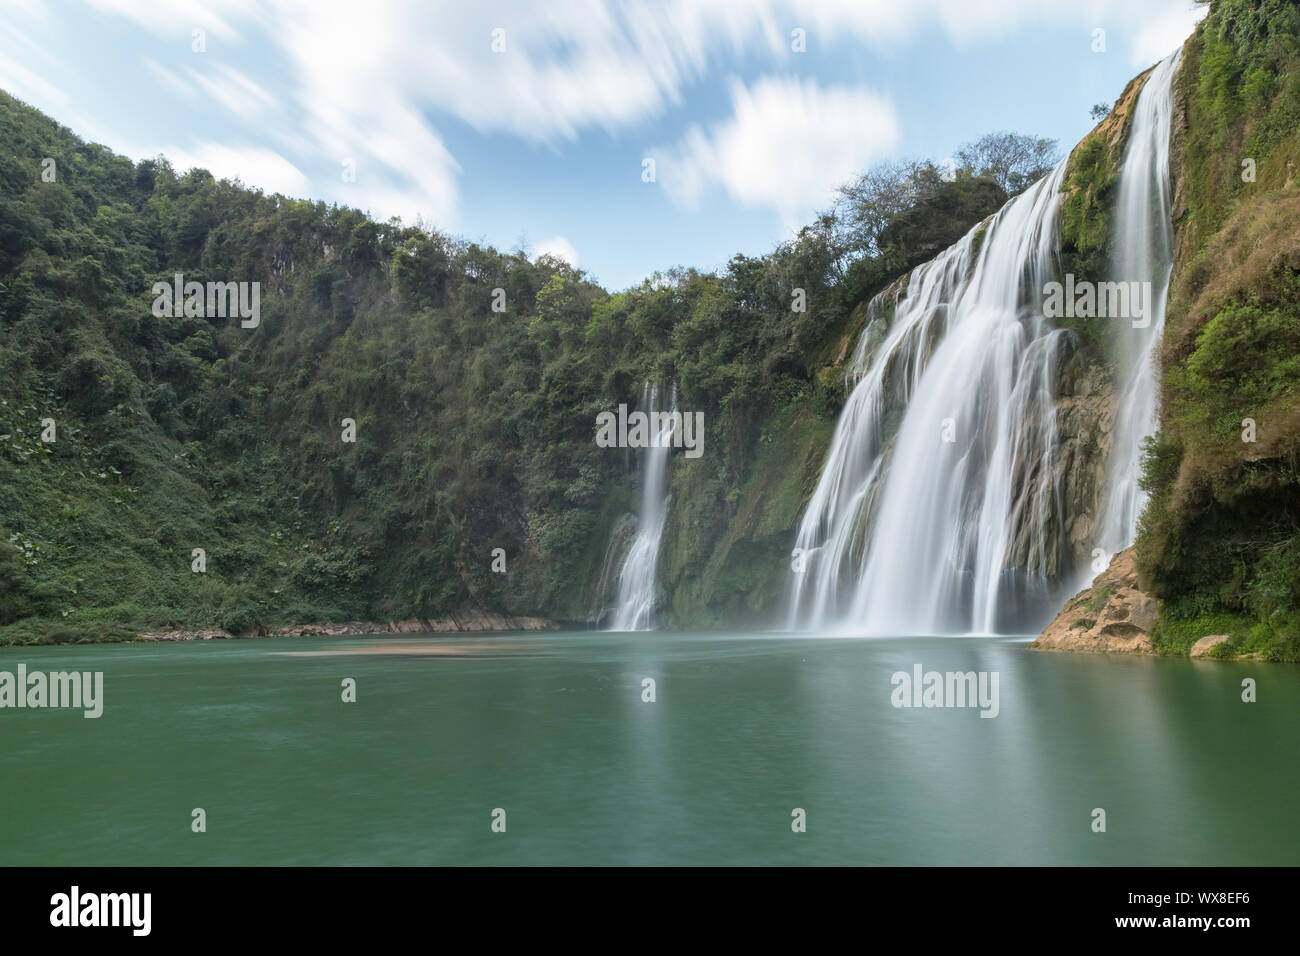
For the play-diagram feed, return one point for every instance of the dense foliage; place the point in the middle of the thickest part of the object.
(474, 427)
(1220, 541)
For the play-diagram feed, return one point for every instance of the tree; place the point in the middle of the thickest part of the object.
(1099, 111)
(1014, 161)
(868, 204)
(882, 194)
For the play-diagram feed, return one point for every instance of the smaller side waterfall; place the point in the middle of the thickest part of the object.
(1143, 253)
(636, 582)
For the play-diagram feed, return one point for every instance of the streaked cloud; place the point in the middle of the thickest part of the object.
(27, 85)
(411, 92)
(559, 247)
(233, 90)
(253, 165)
(1164, 33)
(787, 145)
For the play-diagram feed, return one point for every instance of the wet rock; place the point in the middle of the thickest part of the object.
(210, 634)
(1113, 616)
(471, 620)
(1208, 643)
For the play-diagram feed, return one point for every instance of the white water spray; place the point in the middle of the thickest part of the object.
(1144, 243)
(636, 582)
(939, 508)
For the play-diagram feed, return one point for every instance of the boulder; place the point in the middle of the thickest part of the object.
(1112, 616)
(1208, 643)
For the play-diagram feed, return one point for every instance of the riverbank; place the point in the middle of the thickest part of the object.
(1114, 615)
(465, 621)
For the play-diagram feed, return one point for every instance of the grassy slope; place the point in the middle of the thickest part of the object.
(1220, 542)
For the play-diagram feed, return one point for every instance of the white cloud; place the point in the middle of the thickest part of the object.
(885, 23)
(369, 113)
(375, 84)
(559, 247)
(254, 166)
(16, 35)
(233, 90)
(29, 87)
(169, 78)
(787, 145)
(593, 64)
(403, 167)
(1165, 32)
(175, 19)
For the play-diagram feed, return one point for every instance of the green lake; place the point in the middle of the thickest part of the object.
(553, 729)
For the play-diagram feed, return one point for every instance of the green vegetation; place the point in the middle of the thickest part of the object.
(474, 426)
(896, 216)
(1089, 189)
(1220, 540)
(739, 580)
(1098, 598)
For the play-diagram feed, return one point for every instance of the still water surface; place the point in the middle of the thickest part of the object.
(552, 729)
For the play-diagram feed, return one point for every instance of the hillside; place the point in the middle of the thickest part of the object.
(1219, 543)
(474, 378)
(471, 378)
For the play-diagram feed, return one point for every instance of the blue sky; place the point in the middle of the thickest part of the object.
(544, 138)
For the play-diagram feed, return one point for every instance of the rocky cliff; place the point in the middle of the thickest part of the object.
(1218, 545)
(1112, 616)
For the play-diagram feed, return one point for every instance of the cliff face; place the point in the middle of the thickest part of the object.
(474, 427)
(468, 621)
(1218, 545)
(384, 443)
(201, 480)
(726, 555)
(1086, 408)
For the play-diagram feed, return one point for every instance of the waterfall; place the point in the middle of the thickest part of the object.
(636, 582)
(1144, 244)
(939, 510)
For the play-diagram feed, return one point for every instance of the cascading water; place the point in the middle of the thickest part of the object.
(636, 582)
(1144, 246)
(939, 507)
(908, 529)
